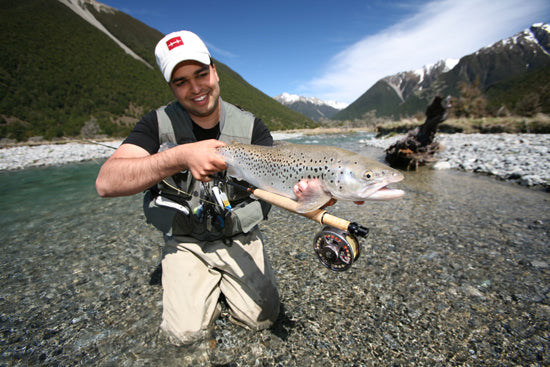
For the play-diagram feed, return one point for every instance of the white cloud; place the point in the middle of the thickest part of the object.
(440, 29)
(217, 52)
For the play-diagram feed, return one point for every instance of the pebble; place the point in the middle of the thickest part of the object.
(441, 165)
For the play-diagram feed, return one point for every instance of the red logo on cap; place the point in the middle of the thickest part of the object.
(172, 43)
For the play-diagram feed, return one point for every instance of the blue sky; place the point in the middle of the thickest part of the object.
(336, 50)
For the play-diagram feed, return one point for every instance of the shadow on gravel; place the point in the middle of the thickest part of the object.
(284, 325)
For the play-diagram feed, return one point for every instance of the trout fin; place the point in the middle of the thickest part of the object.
(310, 195)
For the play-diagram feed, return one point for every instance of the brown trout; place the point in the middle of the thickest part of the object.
(330, 172)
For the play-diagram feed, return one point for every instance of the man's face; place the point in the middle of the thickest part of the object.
(196, 87)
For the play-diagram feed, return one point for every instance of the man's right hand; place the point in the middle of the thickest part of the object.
(202, 159)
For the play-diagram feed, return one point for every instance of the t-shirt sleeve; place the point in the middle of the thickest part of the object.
(261, 134)
(146, 133)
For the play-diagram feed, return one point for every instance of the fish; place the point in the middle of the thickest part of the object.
(330, 172)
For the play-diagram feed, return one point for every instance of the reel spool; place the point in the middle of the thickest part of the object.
(336, 249)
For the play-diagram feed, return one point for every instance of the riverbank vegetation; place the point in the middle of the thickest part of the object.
(538, 124)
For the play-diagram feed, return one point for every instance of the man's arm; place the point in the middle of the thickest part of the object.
(261, 134)
(131, 169)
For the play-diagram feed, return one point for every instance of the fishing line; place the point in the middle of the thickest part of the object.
(96, 143)
(180, 191)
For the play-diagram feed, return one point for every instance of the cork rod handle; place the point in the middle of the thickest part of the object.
(319, 215)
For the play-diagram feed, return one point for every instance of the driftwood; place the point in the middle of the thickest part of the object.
(418, 146)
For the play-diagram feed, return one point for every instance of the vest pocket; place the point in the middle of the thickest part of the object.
(190, 225)
(159, 217)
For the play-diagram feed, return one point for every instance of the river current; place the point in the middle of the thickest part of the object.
(457, 271)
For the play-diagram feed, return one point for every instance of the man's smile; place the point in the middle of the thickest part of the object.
(201, 100)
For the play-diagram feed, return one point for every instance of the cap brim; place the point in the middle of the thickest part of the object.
(199, 57)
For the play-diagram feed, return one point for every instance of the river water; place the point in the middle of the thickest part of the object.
(456, 272)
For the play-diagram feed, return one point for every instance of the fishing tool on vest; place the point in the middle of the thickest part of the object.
(162, 201)
(212, 207)
(336, 245)
(213, 204)
(221, 198)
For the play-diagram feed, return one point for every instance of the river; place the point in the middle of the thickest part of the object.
(455, 272)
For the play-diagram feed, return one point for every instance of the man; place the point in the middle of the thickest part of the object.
(209, 250)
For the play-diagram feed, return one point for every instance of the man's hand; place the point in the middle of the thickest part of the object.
(202, 160)
(311, 187)
(304, 185)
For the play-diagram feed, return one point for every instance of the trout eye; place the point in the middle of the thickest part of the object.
(368, 175)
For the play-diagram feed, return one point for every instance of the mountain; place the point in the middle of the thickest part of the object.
(393, 91)
(311, 107)
(66, 65)
(497, 70)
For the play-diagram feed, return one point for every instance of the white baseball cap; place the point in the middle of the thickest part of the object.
(177, 47)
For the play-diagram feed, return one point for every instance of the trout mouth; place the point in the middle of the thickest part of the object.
(383, 191)
(380, 192)
(386, 193)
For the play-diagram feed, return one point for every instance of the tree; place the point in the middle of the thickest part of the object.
(529, 105)
(471, 102)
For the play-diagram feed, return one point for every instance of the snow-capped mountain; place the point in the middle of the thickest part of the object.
(537, 35)
(407, 82)
(512, 60)
(287, 98)
(428, 72)
(311, 107)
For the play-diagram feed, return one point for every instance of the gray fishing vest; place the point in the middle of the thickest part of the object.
(175, 126)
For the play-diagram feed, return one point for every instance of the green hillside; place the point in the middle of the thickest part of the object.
(141, 38)
(533, 87)
(59, 73)
(380, 98)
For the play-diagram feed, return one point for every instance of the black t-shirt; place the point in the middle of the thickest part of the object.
(146, 133)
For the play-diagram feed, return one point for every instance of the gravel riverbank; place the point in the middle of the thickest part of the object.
(522, 158)
(21, 157)
(455, 273)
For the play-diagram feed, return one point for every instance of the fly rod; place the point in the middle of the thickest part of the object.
(336, 245)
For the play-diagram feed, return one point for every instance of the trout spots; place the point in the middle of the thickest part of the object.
(282, 166)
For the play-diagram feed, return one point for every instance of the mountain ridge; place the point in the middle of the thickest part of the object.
(291, 98)
(85, 14)
(311, 107)
(407, 94)
(53, 84)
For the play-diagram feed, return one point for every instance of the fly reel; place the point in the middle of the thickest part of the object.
(336, 249)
